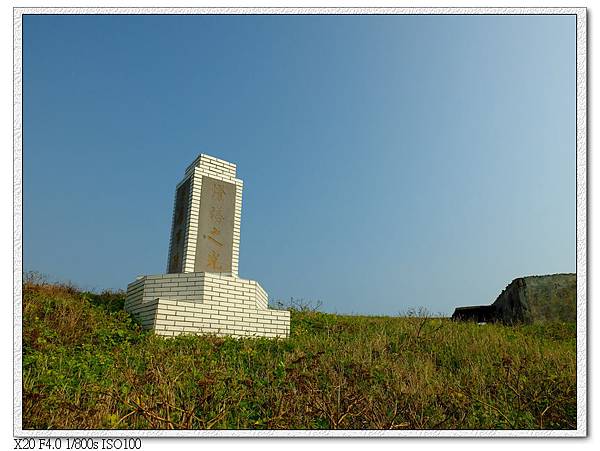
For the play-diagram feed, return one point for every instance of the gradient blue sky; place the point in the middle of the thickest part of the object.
(389, 162)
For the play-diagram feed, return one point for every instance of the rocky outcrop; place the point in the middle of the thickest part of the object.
(529, 299)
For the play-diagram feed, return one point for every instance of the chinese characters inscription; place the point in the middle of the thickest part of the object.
(215, 226)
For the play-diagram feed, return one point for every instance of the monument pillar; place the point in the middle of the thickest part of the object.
(201, 292)
(205, 232)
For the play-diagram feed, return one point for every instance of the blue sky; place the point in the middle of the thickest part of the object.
(389, 162)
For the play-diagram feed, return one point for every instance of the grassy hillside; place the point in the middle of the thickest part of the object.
(87, 365)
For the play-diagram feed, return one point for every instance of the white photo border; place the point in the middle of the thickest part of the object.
(581, 214)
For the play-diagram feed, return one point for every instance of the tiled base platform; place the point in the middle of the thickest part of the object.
(204, 303)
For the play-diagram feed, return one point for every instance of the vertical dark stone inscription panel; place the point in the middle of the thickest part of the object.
(214, 246)
(182, 199)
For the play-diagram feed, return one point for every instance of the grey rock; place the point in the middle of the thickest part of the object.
(529, 299)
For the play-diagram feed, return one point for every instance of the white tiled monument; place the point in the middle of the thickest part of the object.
(202, 292)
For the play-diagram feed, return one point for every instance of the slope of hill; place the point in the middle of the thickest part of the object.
(86, 364)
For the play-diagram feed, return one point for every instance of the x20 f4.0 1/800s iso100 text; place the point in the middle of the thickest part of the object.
(77, 443)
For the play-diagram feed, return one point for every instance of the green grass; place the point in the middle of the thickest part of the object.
(86, 364)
